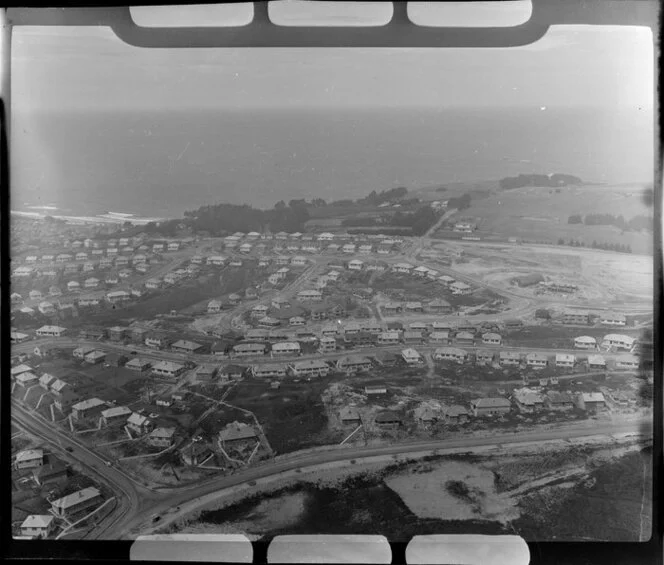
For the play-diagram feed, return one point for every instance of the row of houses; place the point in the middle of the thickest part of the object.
(574, 317)
(456, 287)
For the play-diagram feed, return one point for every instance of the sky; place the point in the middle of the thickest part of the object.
(91, 69)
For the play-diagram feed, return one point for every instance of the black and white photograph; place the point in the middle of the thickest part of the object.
(368, 289)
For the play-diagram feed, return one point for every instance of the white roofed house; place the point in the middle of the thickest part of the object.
(214, 306)
(355, 265)
(528, 401)
(413, 307)
(269, 370)
(92, 282)
(118, 296)
(51, 331)
(259, 311)
(627, 362)
(596, 362)
(35, 295)
(29, 459)
(139, 365)
(286, 348)
(153, 284)
(173, 246)
(298, 261)
(508, 358)
(460, 288)
(168, 369)
(403, 268)
(81, 256)
(585, 342)
(73, 286)
(365, 249)
(246, 247)
(63, 258)
(420, 271)
(491, 339)
(161, 437)
(139, 424)
(618, 341)
(348, 248)
(565, 360)
(94, 357)
(115, 415)
(353, 364)
(591, 401)
(450, 354)
(612, 319)
(75, 503)
(88, 266)
(81, 352)
(38, 526)
(157, 247)
(112, 251)
(310, 296)
(27, 379)
(412, 356)
(217, 260)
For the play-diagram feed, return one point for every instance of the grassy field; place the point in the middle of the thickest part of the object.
(293, 417)
(541, 214)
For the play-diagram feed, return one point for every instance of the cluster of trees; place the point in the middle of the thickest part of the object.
(418, 222)
(636, 223)
(459, 203)
(619, 247)
(376, 198)
(554, 180)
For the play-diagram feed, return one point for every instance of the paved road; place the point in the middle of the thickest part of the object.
(142, 519)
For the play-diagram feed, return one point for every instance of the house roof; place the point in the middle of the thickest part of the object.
(38, 521)
(232, 369)
(163, 433)
(556, 397)
(585, 339)
(184, 344)
(89, 403)
(138, 362)
(76, 498)
(491, 403)
(116, 411)
(237, 431)
(388, 416)
(167, 366)
(349, 413)
(454, 411)
(592, 397)
(137, 419)
(311, 364)
(29, 455)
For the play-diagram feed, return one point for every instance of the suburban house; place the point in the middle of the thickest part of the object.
(310, 296)
(117, 333)
(55, 472)
(286, 348)
(426, 415)
(206, 373)
(484, 357)
(50, 331)
(89, 408)
(161, 437)
(115, 415)
(412, 307)
(76, 502)
(575, 318)
(156, 341)
(216, 260)
(585, 342)
(439, 306)
(38, 526)
(249, 349)
(388, 419)
(184, 346)
(508, 358)
(269, 370)
(269, 322)
(439, 337)
(628, 362)
(454, 414)
(139, 424)
(73, 286)
(386, 358)
(94, 357)
(450, 354)
(412, 356)
(405, 268)
(413, 337)
(297, 321)
(591, 401)
(491, 339)
(118, 296)
(464, 338)
(259, 311)
(313, 367)
(527, 400)
(298, 261)
(353, 364)
(237, 433)
(232, 372)
(490, 406)
(29, 459)
(375, 389)
(612, 319)
(355, 265)
(90, 300)
(348, 248)
(280, 303)
(460, 288)
(138, 364)
(349, 416)
(619, 341)
(168, 369)
(46, 307)
(565, 360)
(388, 338)
(420, 271)
(558, 401)
(536, 360)
(116, 360)
(35, 295)
(214, 306)
(46, 380)
(327, 344)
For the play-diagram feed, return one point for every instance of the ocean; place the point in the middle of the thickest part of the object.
(160, 164)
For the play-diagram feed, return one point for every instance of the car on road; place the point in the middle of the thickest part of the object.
(70, 449)
(155, 518)
(133, 353)
(109, 463)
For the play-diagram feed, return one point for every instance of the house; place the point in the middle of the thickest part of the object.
(232, 372)
(46, 307)
(310, 296)
(355, 265)
(558, 401)
(591, 401)
(454, 414)
(23, 271)
(18, 337)
(327, 344)
(16, 298)
(491, 339)
(387, 419)
(412, 356)
(35, 295)
(269, 370)
(490, 406)
(388, 338)
(73, 286)
(280, 303)
(536, 360)
(573, 317)
(214, 306)
(55, 472)
(161, 437)
(353, 364)
(404, 268)
(206, 373)
(122, 261)
(76, 502)
(168, 369)
(259, 311)
(269, 322)
(184, 346)
(439, 306)
(391, 308)
(46, 380)
(51, 331)
(425, 415)
(352, 328)
(249, 349)
(450, 354)
(139, 424)
(460, 288)
(386, 358)
(484, 357)
(95, 357)
(310, 368)
(29, 459)
(27, 379)
(365, 249)
(465, 338)
(371, 327)
(348, 248)
(89, 266)
(139, 365)
(38, 526)
(235, 263)
(81, 352)
(585, 342)
(257, 334)
(286, 348)
(298, 261)
(156, 341)
(439, 337)
(63, 258)
(528, 401)
(413, 336)
(420, 271)
(375, 389)
(509, 358)
(618, 341)
(117, 333)
(118, 296)
(627, 362)
(349, 416)
(565, 360)
(115, 415)
(216, 260)
(237, 433)
(88, 408)
(612, 319)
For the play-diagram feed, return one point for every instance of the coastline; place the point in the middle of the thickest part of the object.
(101, 219)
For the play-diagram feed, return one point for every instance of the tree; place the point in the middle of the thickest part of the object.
(561, 241)
(575, 219)
(280, 205)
